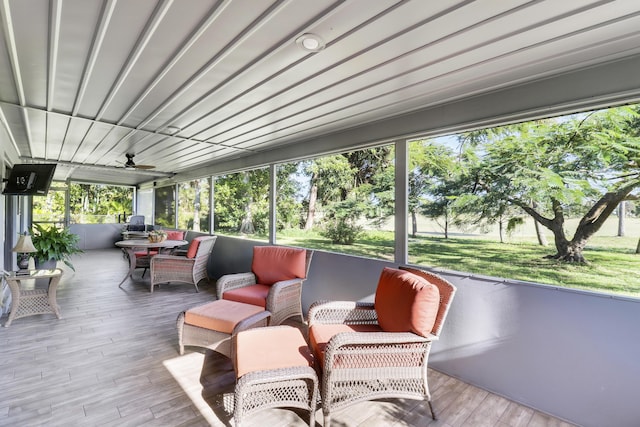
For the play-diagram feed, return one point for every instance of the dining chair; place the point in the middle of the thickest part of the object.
(191, 268)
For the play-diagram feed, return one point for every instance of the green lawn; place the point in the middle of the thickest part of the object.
(613, 266)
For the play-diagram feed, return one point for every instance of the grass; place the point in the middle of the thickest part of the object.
(613, 266)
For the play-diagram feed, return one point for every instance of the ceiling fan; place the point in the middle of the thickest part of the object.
(130, 164)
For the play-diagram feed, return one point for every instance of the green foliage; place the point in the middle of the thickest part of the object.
(97, 203)
(340, 222)
(193, 205)
(165, 202)
(513, 223)
(579, 165)
(242, 202)
(54, 243)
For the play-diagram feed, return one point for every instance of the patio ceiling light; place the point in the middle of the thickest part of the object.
(310, 42)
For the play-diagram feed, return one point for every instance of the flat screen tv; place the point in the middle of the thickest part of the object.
(29, 180)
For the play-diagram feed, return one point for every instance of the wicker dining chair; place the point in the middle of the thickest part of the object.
(368, 351)
(191, 268)
(274, 282)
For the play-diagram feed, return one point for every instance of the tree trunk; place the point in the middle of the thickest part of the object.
(638, 247)
(313, 198)
(414, 224)
(621, 215)
(500, 230)
(542, 239)
(446, 223)
(589, 224)
(196, 207)
(571, 251)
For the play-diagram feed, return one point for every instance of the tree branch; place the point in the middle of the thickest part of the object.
(600, 211)
(535, 214)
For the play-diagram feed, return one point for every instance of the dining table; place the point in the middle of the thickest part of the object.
(131, 245)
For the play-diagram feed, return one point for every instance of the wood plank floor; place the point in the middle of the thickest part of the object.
(112, 360)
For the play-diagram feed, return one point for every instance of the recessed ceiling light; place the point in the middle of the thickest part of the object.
(310, 42)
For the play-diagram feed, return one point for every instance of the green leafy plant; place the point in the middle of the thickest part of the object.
(340, 225)
(54, 243)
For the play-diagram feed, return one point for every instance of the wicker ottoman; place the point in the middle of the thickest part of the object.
(274, 370)
(213, 324)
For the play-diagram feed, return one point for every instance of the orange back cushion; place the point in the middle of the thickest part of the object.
(406, 302)
(175, 235)
(193, 247)
(273, 264)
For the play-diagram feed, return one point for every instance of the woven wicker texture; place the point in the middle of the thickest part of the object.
(180, 269)
(267, 383)
(360, 366)
(33, 301)
(277, 388)
(284, 298)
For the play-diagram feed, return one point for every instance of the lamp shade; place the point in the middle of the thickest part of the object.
(24, 245)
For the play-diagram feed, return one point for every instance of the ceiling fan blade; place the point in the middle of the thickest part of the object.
(130, 164)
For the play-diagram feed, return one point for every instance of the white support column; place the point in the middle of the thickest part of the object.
(212, 182)
(401, 206)
(176, 200)
(273, 181)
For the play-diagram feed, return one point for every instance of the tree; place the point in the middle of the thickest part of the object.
(429, 165)
(436, 181)
(330, 180)
(584, 164)
(242, 201)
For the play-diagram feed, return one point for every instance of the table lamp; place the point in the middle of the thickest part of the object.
(23, 248)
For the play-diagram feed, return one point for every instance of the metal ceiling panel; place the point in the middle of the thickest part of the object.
(183, 84)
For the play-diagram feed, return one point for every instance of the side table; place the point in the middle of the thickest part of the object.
(27, 302)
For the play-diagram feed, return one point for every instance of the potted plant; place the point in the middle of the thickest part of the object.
(54, 244)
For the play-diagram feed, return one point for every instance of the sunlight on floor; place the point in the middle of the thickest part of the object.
(187, 370)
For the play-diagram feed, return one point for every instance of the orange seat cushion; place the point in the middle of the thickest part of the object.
(252, 294)
(140, 254)
(220, 315)
(273, 264)
(175, 235)
(262, 349)
(320, 335)
(193, 246)
(406, 302)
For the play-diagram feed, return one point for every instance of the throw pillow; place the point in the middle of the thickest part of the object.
(406, 302)
(273, 264)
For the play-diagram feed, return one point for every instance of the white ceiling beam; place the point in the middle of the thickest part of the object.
(158, 15)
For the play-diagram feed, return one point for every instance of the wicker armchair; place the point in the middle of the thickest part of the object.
(360, 361)
(185, 269)
(275, 281)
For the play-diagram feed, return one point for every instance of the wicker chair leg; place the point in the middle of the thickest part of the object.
(327, 420)
(180, 326)
(433, 414)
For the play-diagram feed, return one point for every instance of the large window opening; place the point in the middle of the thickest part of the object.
(50, 209)
(99, 204)
(242, 204)
(193, 205)
(165, 207)
(340, 203)
(550, 201)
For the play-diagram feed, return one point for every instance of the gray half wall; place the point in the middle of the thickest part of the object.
(572, 354)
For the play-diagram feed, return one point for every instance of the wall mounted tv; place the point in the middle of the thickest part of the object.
(29, 180)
